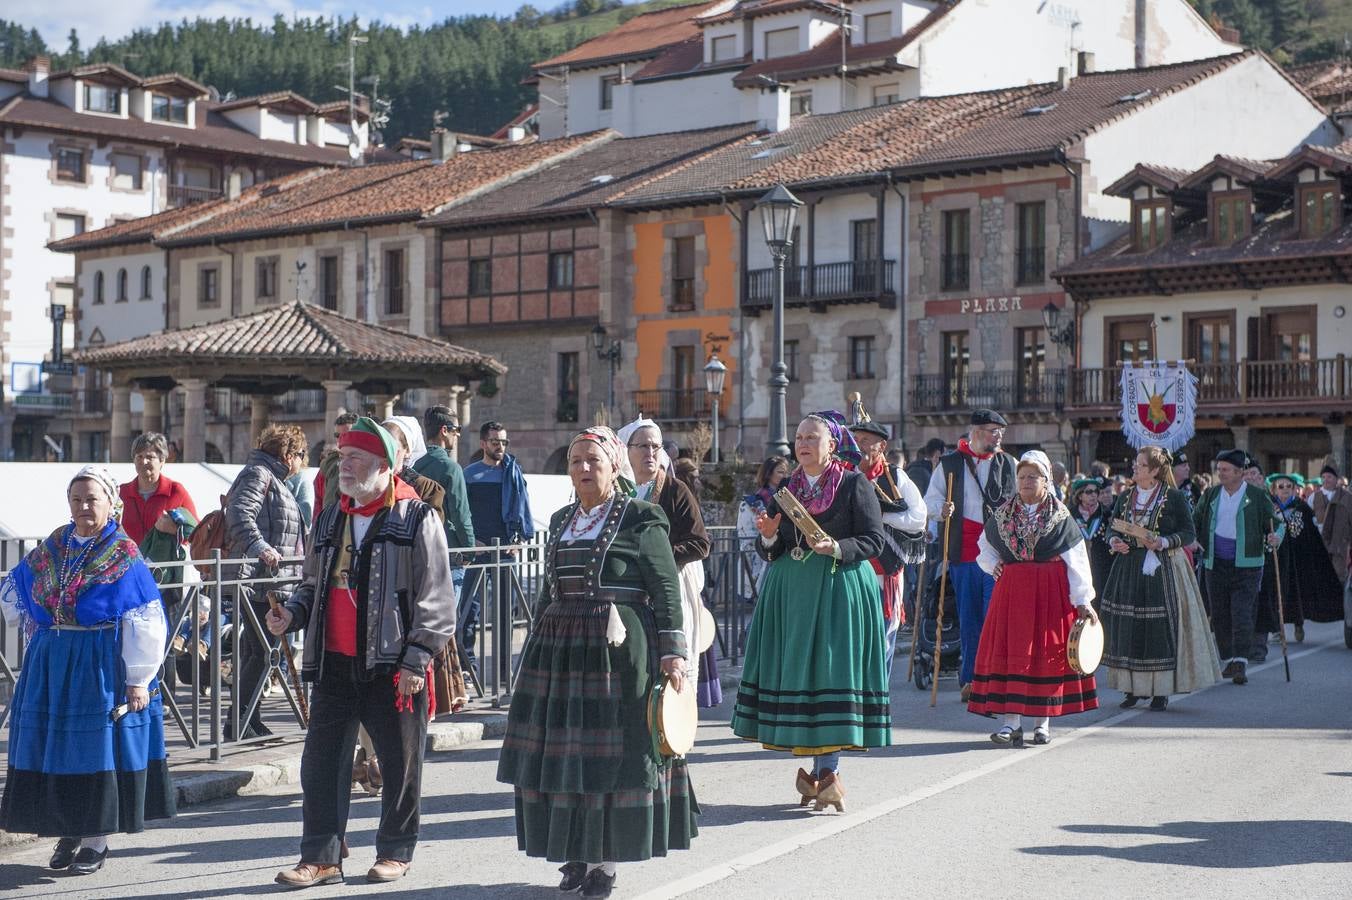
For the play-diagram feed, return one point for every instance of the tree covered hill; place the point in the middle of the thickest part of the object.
(468, 67)
(471, 67)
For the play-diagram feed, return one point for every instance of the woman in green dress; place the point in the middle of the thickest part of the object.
(590, 789)
(1158, 638)
(815, 678)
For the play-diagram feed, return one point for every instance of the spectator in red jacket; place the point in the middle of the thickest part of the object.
(148, 499)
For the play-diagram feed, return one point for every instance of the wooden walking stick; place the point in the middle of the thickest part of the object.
(943, 589)
(291, 666)
(919, 616)
(1281, 612)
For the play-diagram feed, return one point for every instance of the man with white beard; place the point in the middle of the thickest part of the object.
(377, 605)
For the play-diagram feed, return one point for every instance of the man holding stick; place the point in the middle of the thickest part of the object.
(377, 606)
(983, 478)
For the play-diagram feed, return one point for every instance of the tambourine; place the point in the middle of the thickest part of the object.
(708, 629)
(1084, 650)
(672, 718)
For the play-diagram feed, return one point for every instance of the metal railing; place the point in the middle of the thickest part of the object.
(995, 390)
(854, 280)
(1300, 383)
(186, 195)
(673, 405)
(205, 701)
(955, 271)
(1032, 265)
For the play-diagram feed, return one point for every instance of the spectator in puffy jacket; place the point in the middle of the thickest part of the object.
(263, 523)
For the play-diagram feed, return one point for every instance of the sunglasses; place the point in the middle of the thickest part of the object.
(495, 442)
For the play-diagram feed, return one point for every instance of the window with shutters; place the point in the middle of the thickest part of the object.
(877, 27)
(723, 49)
(781, 42)
(126, 171)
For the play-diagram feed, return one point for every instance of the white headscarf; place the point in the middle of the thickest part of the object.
(104, 479)
(1039, 459)
(625, 433)
(417, 445)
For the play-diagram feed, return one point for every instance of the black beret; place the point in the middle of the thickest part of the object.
(1329, 470)
(1237, 458)
(1180, 458)
(988, 417)
(872, 428)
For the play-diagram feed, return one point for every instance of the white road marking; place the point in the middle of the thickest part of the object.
(834, 825)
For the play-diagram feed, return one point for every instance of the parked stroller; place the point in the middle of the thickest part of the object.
(949, 647)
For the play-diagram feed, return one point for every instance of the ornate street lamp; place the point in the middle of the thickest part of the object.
(779, 214)
(1057, 333)
(609, 352)
(714, 374)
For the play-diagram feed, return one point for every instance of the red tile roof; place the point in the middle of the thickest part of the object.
(276, 98)
(750, 9)
(1246, 171)
(175, 78)
(645, 35)
(213, 131)
(527, 113)
(17, 76)
(406, 190)
(296, 333)
(1330, 81)
(1166, 178)
(118, 73)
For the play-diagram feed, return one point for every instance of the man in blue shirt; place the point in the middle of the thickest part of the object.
(500, 510)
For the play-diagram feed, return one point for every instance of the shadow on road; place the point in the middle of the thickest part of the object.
(1221, 845)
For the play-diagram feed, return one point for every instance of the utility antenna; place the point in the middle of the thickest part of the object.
(353, 39)
(300, 269)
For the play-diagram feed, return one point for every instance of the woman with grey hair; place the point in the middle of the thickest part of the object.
(149, 500)
(86, 743)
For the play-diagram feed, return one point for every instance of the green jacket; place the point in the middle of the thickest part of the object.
(1257, 517)
(438, 466)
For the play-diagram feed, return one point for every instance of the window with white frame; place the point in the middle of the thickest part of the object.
(781, 42)
(169, 109)
(69, 225)
(723, 49)
(126, 171)
(101, 98)
(800, 103)
(608, 83)
(70, 164)
(884, 94)
(877, 27)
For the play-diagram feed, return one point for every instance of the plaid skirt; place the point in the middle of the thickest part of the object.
(578, 749)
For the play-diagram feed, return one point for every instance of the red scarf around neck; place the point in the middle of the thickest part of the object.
(875, 471)
(398, 490)
(965, 447)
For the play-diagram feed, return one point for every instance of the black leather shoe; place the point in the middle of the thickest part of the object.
(88, 861)
(1231, 669)
(1129, 701)
(574, 873)
(1159, 704)
(64, 854)
(598, 884)
(1240, 676)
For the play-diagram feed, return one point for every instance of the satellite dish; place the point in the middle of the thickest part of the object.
(353, 151)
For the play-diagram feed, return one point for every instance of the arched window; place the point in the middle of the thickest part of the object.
(145, 282)
(98, 287)
(121, 285)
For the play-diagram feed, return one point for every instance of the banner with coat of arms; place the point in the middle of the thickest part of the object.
(1159, 404)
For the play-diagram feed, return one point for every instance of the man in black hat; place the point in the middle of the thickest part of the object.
(983, 478)
(1332, 505)
(1183, 479)
(1236, 524)
(903, 510)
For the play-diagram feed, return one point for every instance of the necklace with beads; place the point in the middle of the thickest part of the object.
(72, 563)
(584, 522)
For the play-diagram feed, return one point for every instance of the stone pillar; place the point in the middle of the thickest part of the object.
(1088, 446)
(119, 438)
(1241, 433)
(194, 420)
(461, 405)
(152, 416)
(259, 408)
(1338, 448)
(335, 402)
(382, 405)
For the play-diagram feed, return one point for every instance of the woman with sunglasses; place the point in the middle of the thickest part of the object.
(1091, 514)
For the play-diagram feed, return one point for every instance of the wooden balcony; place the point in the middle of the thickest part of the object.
(840, 282)
(1302, 386)
(1005, 391)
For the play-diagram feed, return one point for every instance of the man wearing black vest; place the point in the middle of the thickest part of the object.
(983, 478)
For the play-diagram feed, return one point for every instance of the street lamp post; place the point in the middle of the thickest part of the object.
(714, 374)
(779, 213)
(609, 352)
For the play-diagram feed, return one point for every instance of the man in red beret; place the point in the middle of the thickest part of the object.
(377, 605)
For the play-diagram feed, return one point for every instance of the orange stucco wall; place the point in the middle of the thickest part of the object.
(655, 323)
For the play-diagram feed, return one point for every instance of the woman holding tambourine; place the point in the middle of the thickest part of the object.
(1036, 553)
(593, 787)
(814, 681)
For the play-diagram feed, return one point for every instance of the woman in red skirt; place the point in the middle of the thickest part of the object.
(1035, 551)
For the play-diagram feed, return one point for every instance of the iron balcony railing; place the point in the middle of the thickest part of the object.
(673, 405)
(825, 282)
(186, 195)
(955, 271)
(1032, 262)
(993, 390)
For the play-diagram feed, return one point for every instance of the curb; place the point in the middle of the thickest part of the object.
(221, 783)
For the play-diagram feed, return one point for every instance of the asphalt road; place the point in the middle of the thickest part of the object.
(1234, 792)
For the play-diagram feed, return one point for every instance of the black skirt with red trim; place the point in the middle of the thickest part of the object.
(1021, 665)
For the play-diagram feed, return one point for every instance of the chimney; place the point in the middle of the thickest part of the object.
(38, 68)
(233, 185)
(1062, 77)
(444, 145)
(772, 109)
(1086, 62)
(516, 133)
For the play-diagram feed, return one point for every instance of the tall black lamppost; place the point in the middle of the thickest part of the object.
(714, 374)
(609, 352)
(779, 213)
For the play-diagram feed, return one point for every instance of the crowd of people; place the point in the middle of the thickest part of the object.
(1189, 575)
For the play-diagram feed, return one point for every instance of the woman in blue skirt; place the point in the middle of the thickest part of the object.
(86, 744)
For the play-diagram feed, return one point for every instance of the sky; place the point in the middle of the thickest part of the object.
(55, 18)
